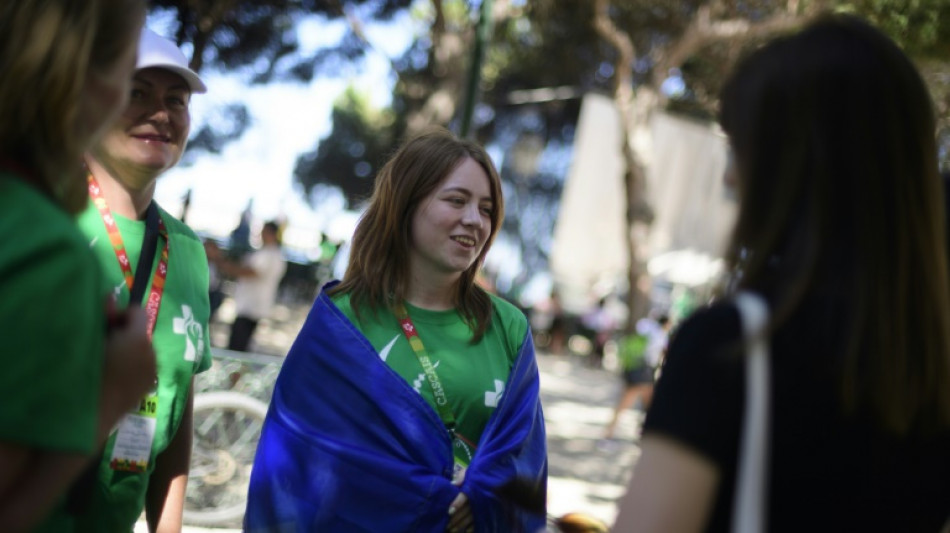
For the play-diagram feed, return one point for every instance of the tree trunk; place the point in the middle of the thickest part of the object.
(433, 94)
(633, 175)
(703, 30)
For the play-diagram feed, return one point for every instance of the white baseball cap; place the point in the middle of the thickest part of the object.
(156, 51)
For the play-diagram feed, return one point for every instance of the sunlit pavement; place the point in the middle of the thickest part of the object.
(586, 474)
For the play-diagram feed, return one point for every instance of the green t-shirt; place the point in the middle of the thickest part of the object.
(632, 350)
(181, 343)
(473, 375)
(52, 322)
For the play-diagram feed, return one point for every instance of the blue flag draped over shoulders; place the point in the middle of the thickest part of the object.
(349, 446)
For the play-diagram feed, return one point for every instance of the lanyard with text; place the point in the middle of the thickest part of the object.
(438, 392)
(136, 283)
(135, 433)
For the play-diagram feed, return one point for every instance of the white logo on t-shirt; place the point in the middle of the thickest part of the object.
(493, 397)
(193, 331)
(384, 353)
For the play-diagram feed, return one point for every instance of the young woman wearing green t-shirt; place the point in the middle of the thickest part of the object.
(410, 388)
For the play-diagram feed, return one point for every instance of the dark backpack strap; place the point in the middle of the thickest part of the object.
(147, 257)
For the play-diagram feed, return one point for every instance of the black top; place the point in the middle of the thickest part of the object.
(828, 471)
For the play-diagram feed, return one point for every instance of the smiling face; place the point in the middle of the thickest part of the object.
(150, 135)
(452, 224)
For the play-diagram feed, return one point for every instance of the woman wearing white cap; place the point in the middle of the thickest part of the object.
(145, 461)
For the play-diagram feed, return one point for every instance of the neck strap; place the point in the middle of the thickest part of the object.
(438, 392)
(154, 226)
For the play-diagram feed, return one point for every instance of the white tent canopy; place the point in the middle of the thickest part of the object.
(685, 267)
(694, 211)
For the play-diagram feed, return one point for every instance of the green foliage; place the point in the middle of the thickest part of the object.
(546, 44)
(226, 124)
(361, 140)
(258, 39)
(534, 44)
(554, 43)
(921, 27)
(257, 34)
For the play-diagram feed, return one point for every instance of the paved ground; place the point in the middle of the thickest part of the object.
(585, 474)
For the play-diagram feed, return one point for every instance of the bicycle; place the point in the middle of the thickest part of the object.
(229, 410)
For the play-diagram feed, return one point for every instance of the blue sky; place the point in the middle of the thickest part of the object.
(287, 119)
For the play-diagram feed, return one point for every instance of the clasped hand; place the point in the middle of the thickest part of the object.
(460, 512)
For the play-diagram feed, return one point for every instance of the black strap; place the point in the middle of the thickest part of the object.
(149, 245)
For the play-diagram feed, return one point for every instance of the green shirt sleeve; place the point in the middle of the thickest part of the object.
(52, 322)
(513, 323)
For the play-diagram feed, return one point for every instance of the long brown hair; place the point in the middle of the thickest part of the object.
(834, 136)
(378, 272)
(47, 50)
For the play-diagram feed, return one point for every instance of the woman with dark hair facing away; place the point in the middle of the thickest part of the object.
(410, 395)
(67, 68)
(841, 229)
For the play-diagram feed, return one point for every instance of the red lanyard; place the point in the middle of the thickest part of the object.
(412, 335)
(158, 281)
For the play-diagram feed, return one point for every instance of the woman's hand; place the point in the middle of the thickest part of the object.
(129, 363)
(460, 512)
(460, 515)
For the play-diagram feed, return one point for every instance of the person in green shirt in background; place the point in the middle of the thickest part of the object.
(640, 354)
(145, 462)
(66, 380)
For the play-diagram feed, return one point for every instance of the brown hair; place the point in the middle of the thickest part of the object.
(834, 136)
(47, 50)
(378, 271)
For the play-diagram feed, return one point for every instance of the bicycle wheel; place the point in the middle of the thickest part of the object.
(227, 426)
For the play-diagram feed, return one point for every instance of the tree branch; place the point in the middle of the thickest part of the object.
(703, 31)
(633, 175)
(356, 26)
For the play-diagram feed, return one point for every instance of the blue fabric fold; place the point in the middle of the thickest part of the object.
(349, 446)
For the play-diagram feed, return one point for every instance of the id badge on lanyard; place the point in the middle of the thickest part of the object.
(133, 441)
